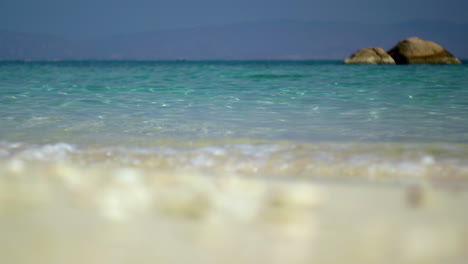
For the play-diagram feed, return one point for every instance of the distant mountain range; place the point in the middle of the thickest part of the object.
(283, 39)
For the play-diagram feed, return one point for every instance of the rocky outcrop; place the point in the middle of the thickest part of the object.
(417, 51)
(369, 56)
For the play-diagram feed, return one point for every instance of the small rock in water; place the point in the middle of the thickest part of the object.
(369, 56)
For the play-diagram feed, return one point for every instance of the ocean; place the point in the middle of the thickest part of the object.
(233, 162)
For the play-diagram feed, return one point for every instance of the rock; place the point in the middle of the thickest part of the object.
(369, 56)
(417, 51)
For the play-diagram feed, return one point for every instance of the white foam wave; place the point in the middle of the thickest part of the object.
(262, 159)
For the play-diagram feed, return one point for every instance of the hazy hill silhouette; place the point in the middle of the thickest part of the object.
(282, 39)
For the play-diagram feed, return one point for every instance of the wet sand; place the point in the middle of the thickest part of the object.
(59, 212)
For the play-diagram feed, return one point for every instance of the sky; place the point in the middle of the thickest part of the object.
(91, 18)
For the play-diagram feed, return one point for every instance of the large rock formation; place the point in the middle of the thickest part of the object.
(417, 51)
(369, 56)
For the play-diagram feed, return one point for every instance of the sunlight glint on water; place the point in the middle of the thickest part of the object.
(232, 162)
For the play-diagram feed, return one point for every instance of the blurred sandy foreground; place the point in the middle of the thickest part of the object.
(62, 213)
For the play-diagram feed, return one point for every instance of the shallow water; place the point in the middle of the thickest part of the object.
(233, 162)
(312, 101)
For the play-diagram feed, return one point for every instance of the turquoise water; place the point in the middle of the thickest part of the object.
(307, 101)
(233, 162)
(292, 113)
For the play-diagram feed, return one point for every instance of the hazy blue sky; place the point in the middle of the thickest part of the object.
(97, 17)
